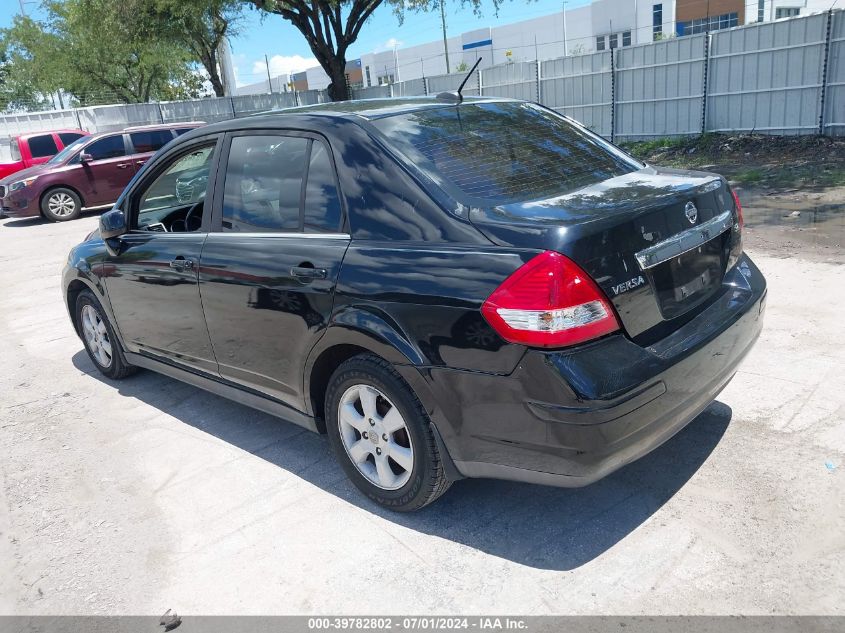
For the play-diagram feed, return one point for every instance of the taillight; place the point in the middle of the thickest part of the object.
(549, 302)
(738, 206)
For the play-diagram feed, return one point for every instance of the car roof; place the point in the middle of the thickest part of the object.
(379, 108)
(145, 128)
(29, 135)
(161, 126)
(316, 117)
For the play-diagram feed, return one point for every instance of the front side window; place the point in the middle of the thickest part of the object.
(150, 140)
(263, 186)
(108, 147)
(42, 146)
(498, 153)
(172, 201)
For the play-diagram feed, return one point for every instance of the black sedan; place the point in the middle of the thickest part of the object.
(447, 288)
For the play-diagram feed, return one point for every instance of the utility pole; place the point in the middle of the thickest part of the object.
(443, 22)
(269, 81)
(23, 4)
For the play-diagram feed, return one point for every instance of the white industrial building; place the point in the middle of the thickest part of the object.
(600, 25)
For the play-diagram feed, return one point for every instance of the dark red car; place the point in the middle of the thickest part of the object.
(28, 150)
(89, 173)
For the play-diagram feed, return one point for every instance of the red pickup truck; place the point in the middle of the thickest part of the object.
(28, 150)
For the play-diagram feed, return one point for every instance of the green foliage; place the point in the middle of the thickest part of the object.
(98, 51)
(199, 25)
(462, 67)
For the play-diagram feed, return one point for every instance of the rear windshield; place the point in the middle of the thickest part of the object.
(500, 153)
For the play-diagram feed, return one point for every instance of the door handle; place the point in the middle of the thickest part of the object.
(308, 272)
(180, 263)
(140, 162)
(122, 165)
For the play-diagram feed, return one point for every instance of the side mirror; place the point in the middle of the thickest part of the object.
(112, 224)
(85, 158)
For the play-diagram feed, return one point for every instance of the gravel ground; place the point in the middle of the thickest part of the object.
(148, 494)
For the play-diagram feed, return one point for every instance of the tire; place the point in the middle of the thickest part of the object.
(61, 204)
(407, 486)
(99, 339)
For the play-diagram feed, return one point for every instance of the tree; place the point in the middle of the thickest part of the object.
(19, 82)
(199, 25)
(100, 50)
(331, 26)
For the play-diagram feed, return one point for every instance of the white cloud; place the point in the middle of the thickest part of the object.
(283, 65)
(389, 45)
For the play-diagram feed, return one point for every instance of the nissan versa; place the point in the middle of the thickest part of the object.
(446, 287)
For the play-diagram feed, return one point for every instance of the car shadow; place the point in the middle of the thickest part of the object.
(23, 222)
(537, 526)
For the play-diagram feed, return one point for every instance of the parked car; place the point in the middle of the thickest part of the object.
(28, 150)
(446, 289)
(90, 173)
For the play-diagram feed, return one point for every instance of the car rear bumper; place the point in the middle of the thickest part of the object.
(568, 418)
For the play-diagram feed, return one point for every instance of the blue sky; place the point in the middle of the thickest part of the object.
(271, 35)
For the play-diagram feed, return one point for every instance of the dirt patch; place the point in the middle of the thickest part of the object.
(774, 162)
(792, 188)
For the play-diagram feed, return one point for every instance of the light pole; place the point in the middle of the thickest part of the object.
(443, 22)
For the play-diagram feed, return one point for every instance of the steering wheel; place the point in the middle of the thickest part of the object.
(189, 215)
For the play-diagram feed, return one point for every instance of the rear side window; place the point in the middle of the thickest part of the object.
(499, 153)
(150, 140)
(69, 137)
(263, 186)
(182, 130)
(42, 146)
(108, 147)
(321, 213)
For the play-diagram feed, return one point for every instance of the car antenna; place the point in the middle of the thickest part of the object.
(455, 96)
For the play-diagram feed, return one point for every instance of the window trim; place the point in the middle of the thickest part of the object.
(152, 170)
(216, 227)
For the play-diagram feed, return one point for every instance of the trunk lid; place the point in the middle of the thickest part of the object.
(657, 241)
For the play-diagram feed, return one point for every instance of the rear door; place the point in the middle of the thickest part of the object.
(269, 267)
(41, 148)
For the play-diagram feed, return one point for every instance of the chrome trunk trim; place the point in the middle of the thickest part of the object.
(684, 242)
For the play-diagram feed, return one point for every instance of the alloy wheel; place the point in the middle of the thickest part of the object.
(375, 437)
(61, 205)
(96, 335)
